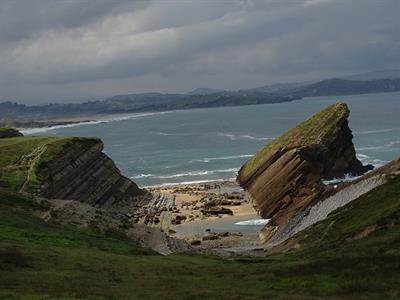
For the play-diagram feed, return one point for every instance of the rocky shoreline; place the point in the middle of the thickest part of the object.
(204, 214)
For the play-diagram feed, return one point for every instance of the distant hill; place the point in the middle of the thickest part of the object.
(203, 98)
(337, 87)
(131, 103)
(279, 87)
(382, 74)
(204, 91)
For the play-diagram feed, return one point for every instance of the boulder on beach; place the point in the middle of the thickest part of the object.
(286, 176)
(218, 210)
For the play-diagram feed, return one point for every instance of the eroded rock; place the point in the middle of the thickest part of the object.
(285, 177)
(81, 171)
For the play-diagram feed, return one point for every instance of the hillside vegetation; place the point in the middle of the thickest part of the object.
(354, 254)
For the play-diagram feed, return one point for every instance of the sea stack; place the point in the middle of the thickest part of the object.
(286, 176)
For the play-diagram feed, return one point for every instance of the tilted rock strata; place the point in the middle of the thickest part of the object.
(322, 209)
(81, 171)
(286, 176)
(292, 233)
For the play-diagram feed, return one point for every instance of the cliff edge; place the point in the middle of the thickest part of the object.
(285, 177)
(8, 132)
(66, 168)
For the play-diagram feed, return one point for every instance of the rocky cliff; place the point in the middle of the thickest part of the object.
(285, 177)
(8, 132)
(79, 170)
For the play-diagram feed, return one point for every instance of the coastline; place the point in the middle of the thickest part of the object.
(206, 215)
(32, 127)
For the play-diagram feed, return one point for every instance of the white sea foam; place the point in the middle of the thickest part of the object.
(362, 157)
(142, 176)
(197, 173)
(187, 182)
(370, 148)
(29, 131)
(234, 137)
(186, 174)
(253, 222)
(392, 144)
(170, 134)
(365, 159)
(208, 159)
(346, 178)
(377, 131)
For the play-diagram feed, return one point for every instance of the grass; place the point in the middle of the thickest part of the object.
(47, 261)
(311, 131)
(379, 208)
(22, 158)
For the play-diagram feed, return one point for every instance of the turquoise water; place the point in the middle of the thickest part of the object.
(211, 144)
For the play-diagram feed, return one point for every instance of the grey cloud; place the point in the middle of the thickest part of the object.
(21, 19)
(51, 49)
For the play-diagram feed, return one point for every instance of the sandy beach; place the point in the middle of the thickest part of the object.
(206, 215)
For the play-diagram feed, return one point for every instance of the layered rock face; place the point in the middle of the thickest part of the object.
(81, 171)
(286, 176)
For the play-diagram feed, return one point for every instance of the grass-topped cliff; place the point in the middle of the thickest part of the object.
(312, 131)
(22, 158)
(285, 177)
(63, 168)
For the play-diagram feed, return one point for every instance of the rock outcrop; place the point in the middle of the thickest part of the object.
(8, 132)
(285, 177)
(295, 232)
(79, 170)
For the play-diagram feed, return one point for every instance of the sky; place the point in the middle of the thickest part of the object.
(68, 51)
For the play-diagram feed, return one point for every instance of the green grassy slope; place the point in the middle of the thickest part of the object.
(45, 261)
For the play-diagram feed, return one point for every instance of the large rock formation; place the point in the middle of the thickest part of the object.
(79, 170)
(285, 177)
(8, 132)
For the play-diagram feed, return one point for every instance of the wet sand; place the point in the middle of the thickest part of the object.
(207, 231)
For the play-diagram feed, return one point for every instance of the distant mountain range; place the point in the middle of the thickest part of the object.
(207, 97)
(135, 103)
(204, 91)
(375, 75)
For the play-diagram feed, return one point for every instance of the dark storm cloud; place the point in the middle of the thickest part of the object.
(21, 19)
(58, 49)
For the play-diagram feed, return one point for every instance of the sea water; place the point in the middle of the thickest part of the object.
(211, 144)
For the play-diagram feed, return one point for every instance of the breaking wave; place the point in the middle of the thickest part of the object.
(208, 159)
(346, 178)
(186, 174)
(365, 159)
(29, 131)
(392, 144)
(253, 222)
(169, 134)
(187, 182)
(235, 137)
(377, 131)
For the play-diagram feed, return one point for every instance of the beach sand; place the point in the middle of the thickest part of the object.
(207, 231)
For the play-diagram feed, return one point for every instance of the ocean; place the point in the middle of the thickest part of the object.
(211, 144)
